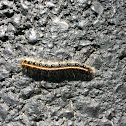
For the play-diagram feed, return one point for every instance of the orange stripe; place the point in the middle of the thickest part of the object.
(54, 69)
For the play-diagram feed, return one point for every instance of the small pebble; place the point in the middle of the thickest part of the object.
(60, 24)
(10, 98)
(3, 113)
(123, 121)
(4, 74)
(24, 7)
(82, 1)
(11, 28)
(82, 24)
(50, 45)
(97, 7)
(42, 21)
(50, 4)
(85, 43)
(3, 30)
(16, 19)
(26, 92)
(32, 36)
(63, 25)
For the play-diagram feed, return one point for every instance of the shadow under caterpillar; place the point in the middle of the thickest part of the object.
(57, 72)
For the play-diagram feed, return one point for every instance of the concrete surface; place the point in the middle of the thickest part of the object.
(89, 31)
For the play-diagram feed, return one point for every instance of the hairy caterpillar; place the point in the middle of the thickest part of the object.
(57, 71)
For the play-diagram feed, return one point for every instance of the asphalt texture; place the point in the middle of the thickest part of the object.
(88, 31)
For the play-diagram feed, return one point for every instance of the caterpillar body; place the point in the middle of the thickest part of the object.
(57, 71)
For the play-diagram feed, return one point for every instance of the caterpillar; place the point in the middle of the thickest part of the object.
(57, 71)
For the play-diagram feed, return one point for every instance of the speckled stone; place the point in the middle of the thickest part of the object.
(3, 30)
(123, 120)
(3, 74)
(97, 7)
(50, 45)
(3, 112)
(32, 36)
(24, 7)
(16, 20)
(50, 4)
(10, 98)
(59, 24)
(83, 24)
